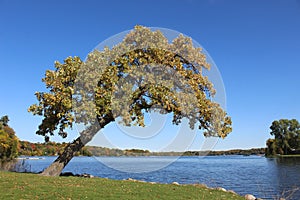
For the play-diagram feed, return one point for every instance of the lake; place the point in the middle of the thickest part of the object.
(266, 178)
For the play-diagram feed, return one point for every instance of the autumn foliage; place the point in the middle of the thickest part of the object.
(47, 149)
(9, 142)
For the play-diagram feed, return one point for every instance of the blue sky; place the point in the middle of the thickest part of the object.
(255, 44)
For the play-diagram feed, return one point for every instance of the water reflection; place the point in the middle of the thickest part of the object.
(287, 171)
(289, 176)
(293, 161)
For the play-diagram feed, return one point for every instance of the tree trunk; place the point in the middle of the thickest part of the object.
(59, 164)
(86, 136)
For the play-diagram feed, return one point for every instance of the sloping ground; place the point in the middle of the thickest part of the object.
(33, 186)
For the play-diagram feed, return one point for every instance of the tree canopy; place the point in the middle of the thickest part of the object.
(98, 87)
(286, 137)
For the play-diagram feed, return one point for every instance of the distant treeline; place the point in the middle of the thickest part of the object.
(247, 152)
(101, 151)
(53, 148)
(46, 149)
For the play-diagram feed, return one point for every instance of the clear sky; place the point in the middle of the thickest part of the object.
(255, 44)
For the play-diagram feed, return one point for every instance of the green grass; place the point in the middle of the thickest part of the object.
(33, 186)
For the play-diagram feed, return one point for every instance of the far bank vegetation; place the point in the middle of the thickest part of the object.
(54, 149)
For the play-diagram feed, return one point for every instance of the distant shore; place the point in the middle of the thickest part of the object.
(54, 149)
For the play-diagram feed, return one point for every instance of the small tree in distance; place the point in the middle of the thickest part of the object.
(286, 137)
(143, 73)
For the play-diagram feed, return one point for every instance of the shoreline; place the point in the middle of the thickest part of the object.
(31, 158)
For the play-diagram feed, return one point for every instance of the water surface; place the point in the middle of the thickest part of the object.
(265, 178)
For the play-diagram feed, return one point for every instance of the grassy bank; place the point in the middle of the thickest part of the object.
(32, 186)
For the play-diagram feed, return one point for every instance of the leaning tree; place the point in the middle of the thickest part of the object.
(142, 73)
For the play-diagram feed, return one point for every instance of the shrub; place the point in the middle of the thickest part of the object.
(9, 142)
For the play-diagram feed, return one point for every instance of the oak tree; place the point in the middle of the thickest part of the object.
(143, 73)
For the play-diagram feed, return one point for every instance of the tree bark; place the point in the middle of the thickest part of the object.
(86, 136)
(59, 164)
